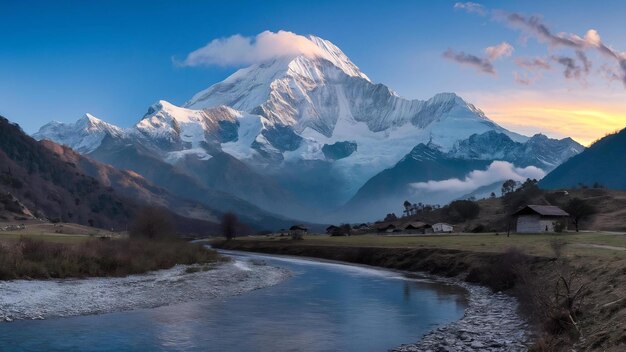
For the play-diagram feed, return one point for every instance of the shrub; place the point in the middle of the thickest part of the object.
(579, 210)
(462, 210)
(28, 258)
(152, 223)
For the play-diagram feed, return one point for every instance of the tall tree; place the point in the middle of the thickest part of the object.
(579, 210)
(508, 186)
(229, 225)
(152, 223)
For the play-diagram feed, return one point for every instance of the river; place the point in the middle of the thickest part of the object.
(323, 307)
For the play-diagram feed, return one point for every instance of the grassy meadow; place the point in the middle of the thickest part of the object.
(581, 243)
(43, 251)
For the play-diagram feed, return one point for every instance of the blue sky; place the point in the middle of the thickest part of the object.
(114, 59)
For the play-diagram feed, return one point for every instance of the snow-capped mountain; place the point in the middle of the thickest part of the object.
(315, 125)
(427, 162)
(84, 136)
(306, 102)
(539, 150)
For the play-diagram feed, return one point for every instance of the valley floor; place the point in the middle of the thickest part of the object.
(592, 263)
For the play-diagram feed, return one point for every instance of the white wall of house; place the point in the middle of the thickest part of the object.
(535, 224)
(529, 224)
(441, 227)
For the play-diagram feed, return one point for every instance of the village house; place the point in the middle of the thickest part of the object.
(388, 228)
(332, 229)
(361, 227)
(540, 218)
(297, 232)
(442, 227)
(417, 227)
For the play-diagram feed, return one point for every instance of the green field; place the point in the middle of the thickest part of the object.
(51, 237)
(67, 233)
(611, 244)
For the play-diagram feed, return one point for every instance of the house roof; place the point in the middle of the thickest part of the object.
(443, 223)
(298, 227)
(543, 210)
(416, 225)
(386, 226)
(331, 227)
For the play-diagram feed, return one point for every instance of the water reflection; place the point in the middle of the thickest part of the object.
(324, 307)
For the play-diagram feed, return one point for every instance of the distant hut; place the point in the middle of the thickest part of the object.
(361, 227)
(539, 218)
(332, 229)
(386, 228)
(442, 227)
(417, 227)
(297, 232)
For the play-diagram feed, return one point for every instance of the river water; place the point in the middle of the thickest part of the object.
(323, 307)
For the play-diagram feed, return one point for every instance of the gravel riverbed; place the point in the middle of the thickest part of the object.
(42, 299)
(491, 323)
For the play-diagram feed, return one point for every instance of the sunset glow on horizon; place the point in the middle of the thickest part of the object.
(529, 113)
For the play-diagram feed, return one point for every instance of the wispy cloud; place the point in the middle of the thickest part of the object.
(471, 7)
(480, 64)
(532, 64)
(501, 50)
(524, 78)
(535, 26)
(496, 172)
(572, 68)
(239, 50)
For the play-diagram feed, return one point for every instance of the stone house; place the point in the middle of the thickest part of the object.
(540, 218)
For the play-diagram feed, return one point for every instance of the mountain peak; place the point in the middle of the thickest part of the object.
(337, 57)
(446, 97)
(88, 120)
(84, 135)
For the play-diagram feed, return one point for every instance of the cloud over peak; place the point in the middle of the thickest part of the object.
(498, 171)
(240, 50)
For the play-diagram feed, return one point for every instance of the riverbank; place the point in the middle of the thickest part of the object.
(491, 323)
(597, 281)
(43, 299)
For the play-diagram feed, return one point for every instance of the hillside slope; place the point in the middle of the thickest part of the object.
(604, 162)
(54, 188)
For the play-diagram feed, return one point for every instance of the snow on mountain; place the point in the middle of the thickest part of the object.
(180, 132)
(84, 135)
(307, 103)
(539, 150)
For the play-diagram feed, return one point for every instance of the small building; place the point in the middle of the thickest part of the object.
(417, 227)
(332, 229)
(539, 218)
(442, 227)
(386, 228)
(298, 231)
(362, 226)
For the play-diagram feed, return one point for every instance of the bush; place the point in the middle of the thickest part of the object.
(462, 210)
(152, 223)
(503, 272)
(28, 258)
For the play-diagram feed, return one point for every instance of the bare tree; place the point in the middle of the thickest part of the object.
(579, 210)
(229, 225)
(152, 223)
